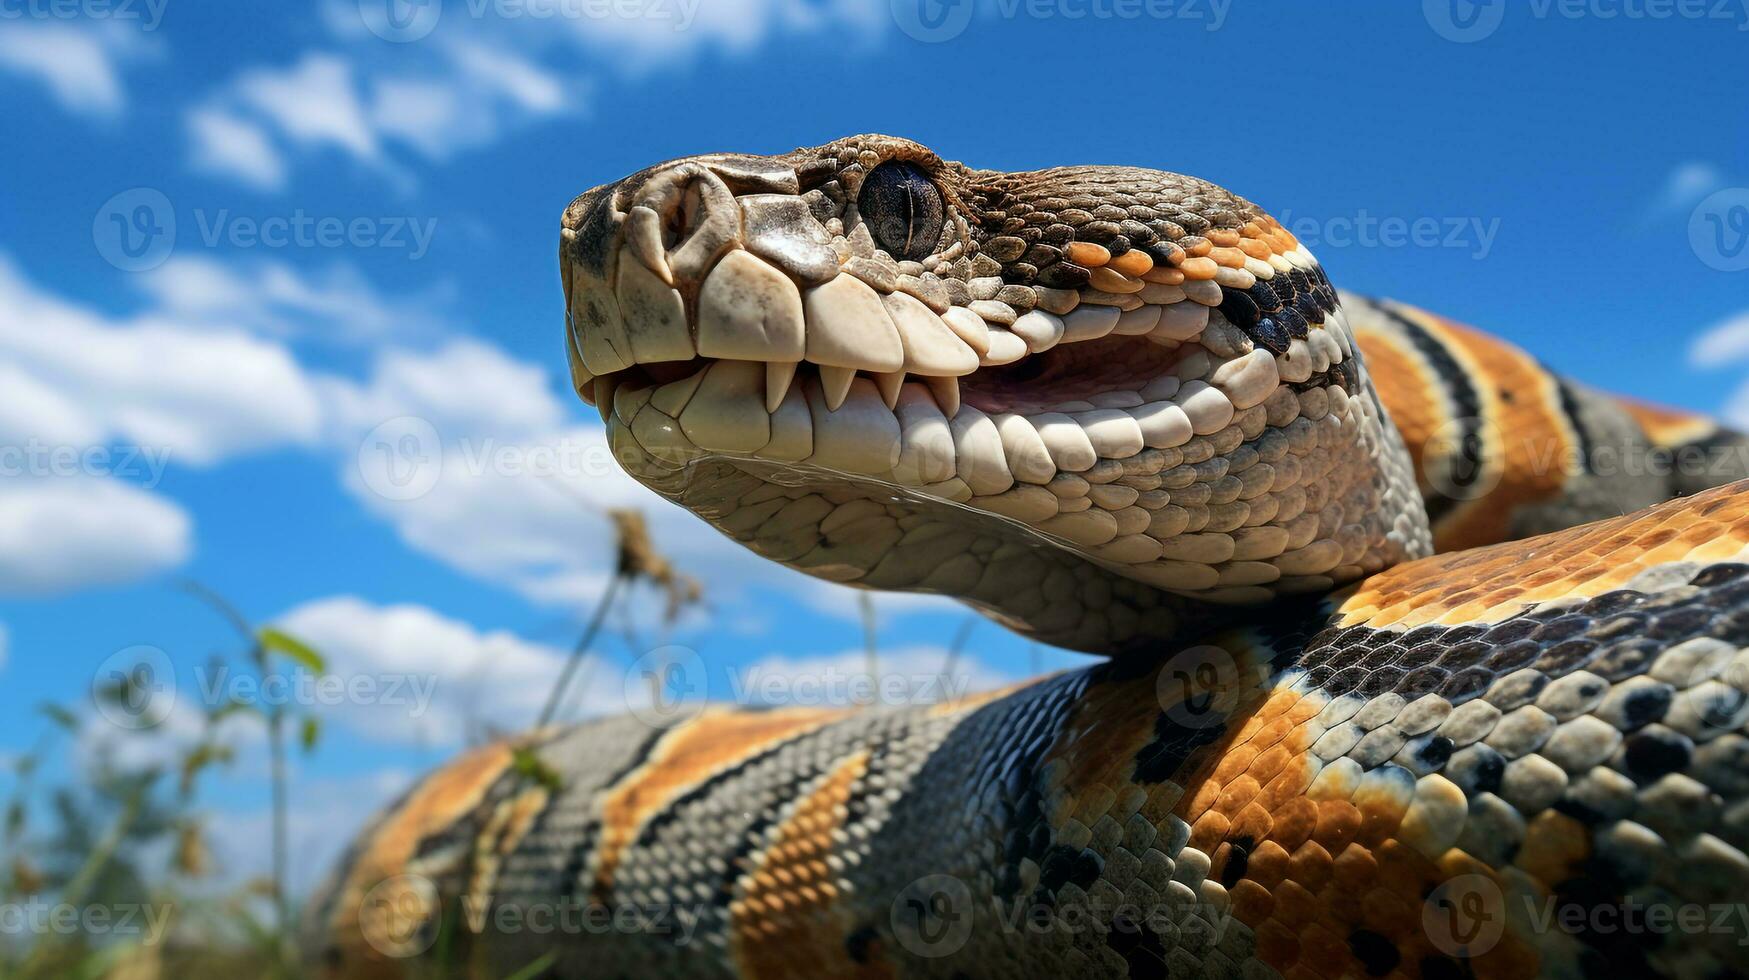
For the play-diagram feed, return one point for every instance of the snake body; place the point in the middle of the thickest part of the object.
(1423, 661)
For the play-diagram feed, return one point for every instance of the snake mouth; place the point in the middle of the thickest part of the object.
(1141, 452)
(882, 369)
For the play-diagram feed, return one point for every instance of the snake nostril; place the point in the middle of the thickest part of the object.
(696, 220)
(685, 220)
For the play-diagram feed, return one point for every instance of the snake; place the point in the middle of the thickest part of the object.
(1416, 659)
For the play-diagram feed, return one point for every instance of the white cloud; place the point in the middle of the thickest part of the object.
(466, 387)
(433, 100)
(226, 144)
(473, 681)
(526, 512)
(465, 103)
(657, 34)
(313, 103)
(517, 489)
(1722, 344)
(515, 483)
(491, 68)
(522, 82)
(1686, 184)
(1725, 342)
(79, 64)
(199, 394)
(273, 298)
(33, 409)
(67, 533)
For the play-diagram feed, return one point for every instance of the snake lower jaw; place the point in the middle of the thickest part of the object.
(851, 529)
(1106, 550)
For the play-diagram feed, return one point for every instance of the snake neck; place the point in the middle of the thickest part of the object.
(1103, 405)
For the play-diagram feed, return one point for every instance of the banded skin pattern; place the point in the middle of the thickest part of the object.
(1317, 748)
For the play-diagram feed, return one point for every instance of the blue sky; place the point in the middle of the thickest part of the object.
(1571, 175)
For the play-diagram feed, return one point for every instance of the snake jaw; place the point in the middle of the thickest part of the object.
(1022, 421)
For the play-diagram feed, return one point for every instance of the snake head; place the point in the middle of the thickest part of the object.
(1089, 400)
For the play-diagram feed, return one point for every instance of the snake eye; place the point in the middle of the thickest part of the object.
(903, 209)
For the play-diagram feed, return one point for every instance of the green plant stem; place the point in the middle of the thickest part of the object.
(871, 651)
(557, 694)
(73, 895)
(276, 750)
(954, 649)
(281, 807)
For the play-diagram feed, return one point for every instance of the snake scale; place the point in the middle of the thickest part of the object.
(1420, 660)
